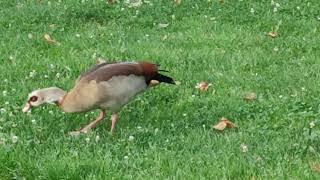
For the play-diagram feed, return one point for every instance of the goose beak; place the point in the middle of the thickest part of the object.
(26, 108)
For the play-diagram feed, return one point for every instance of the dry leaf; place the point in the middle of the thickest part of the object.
(315, 166)
(224, 123)
(178, 2)
(221, 1)
(203, 86)
(220, 126)
(101, 60)
(154, 82)
(251, 96)
(273, 34)
(49, 40)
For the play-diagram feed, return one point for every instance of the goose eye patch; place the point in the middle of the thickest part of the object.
(33, 98)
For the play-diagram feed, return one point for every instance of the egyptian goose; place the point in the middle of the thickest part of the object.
(106, 86)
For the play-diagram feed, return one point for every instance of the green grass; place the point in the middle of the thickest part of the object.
(224, 44)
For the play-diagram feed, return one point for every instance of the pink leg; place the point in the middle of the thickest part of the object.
(93, 124)
(114, 119)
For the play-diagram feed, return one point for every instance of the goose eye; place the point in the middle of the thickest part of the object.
(33, 99)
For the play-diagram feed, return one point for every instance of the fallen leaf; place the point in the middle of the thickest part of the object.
(154, 83)
(203, 86)
(178, 2)
(221, 1)
(251, 96)
(49, 40)
(273, 34)
(224, 123)
(315, 166)
(163, 25)
(101, 60)
(220, 126)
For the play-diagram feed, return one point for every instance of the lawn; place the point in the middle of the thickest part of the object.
(165, 133)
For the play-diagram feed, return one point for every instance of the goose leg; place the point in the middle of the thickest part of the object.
(88, 127)
(114, 119)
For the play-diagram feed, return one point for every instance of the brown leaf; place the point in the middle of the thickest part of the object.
(273, 34)
(220, 126)
(224, 123)
(203, 86)
(49, 40)
(228, 122)
(221, 1)
(251, 96)
(178, 2)
(315, 166)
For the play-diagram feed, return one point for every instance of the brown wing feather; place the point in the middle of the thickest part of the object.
(105, 71)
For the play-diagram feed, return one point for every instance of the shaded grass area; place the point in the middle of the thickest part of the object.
(225, 44)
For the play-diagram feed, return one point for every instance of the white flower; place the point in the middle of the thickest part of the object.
(275, 49)
(275, 9)
(32, 73)
(51, 66)
(46, 76)
(244, 148)
(6, 103)
(87, 140)
(14, 139)
(277, 5)
(4, 93)
(5, 80)
(312, 124)
(30, 36)
(3, 110)
(298, 7)
(156, 130)
(58, 75)
(77, 35)
(272, 2)
(131, 138)
(33, 121)
(11, 57)
(14, 125)
(184, 114)
(252, 11)
(97, 138)
(126, 157)
(50, 112)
